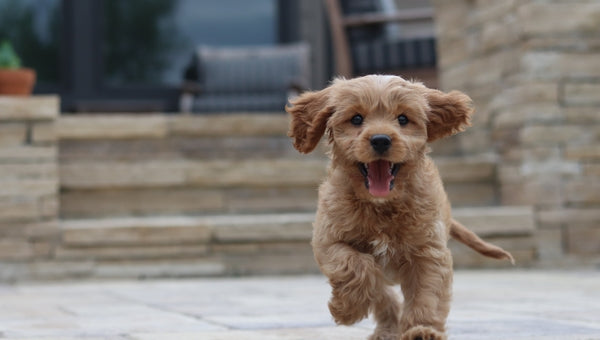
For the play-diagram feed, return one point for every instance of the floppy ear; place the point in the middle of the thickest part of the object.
(310, 112)
(450, 113)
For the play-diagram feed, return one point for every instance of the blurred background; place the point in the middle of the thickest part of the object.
(132, 55)
(154, 143)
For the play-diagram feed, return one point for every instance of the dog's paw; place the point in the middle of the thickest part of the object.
(346, 313)
(423, 333)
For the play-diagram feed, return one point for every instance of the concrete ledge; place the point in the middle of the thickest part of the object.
(256, 243)
(497, 221)
(209, 174)
(124, 126)
(29, 108)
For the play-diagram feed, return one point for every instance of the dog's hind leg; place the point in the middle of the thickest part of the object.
(355, 278)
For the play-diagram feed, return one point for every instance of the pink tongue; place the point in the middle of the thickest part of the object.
(379, 178)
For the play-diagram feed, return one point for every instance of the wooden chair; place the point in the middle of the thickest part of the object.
(362, 42)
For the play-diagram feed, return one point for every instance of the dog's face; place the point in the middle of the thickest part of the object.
(378, 125)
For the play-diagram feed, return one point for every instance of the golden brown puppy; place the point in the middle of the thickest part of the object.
(383, 216)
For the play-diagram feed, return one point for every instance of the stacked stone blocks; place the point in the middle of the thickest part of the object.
(533, 70)
(29, 186)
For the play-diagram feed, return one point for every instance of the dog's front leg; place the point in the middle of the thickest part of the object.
(427, 289)
(355, 278)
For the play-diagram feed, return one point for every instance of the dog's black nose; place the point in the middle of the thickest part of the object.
(381, 143)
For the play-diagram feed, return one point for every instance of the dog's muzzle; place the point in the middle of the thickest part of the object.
(379, 176)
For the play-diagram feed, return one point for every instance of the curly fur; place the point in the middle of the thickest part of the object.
(365, 244)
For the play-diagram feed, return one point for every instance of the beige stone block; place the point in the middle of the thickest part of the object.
(540, 190)
(583, 239)
(29, 108)
(520, 94)
(16, 249)
(33, 188)
(89, 175)
(497, 221)
(549, 135)
(135, 231)
(554, 65)
(510, 173)
(248, 228)
(446, 147)
(296, 260)
(467, 169)
(591, 170)
(12, 134)
(241, 124)
(43, 132)
(492, 68)
(547, 18)
(28, 154)
(49, 206)
(453, 50)
(28, 171)
(532, 154)
(46, 230)
(141, 202)
(145, 269)
(583, 190)
(560, 216)
(18, 209)
(525, 114)
(29, 230)
(583, 152)
(499, 33)
(257, 173)
(582, 115)
(550, 167)
(58, 270)
(488, 11)
(131, 252)
(583, 43)
(450, 17)
(475, 141)
(112, 126)
(471, 194)
(550, 244)
(265, 200)
(580, 93)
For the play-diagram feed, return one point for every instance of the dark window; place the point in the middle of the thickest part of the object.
(130, 55)
(149, 42)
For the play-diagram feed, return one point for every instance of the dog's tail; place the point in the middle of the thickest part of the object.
(469, 238)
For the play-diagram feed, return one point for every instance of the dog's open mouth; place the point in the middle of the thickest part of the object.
(379, 176)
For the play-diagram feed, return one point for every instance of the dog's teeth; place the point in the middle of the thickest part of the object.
(363, 169)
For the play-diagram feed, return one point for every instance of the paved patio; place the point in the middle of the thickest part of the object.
(487, 305)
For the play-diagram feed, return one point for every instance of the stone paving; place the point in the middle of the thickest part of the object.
(503, 304)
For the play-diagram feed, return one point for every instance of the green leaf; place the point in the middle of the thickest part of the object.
(8, 57)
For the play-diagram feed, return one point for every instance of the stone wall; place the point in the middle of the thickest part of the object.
(127, 165)
(28, 178)
(533, 70)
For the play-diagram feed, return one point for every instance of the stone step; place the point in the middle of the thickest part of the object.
(237, 242)
(127, 187)
(230, 173)
(169, 165)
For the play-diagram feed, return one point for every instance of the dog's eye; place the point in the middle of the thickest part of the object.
(403, 120)
(356, 120)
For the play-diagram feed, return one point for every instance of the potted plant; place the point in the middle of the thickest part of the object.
(14, 79)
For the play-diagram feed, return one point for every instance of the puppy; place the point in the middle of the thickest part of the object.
(383, 216)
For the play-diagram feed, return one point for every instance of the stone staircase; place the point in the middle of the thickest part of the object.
(223, 195)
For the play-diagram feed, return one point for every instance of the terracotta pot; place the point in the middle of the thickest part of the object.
(17, 81)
